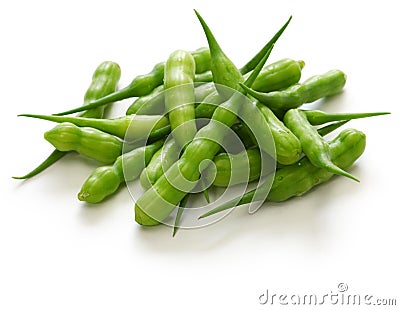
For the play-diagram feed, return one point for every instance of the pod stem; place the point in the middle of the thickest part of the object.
(256, 59)
(316, 117)
(116, 96)
(51, 159)
(179, 213)
(250, 80)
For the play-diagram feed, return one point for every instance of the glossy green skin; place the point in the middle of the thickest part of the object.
(245, 135)
(87, 141)
(131, 127)
(203, 77)
(314, 146)
(162, 160)
(180, 97)
(278, 75)
(298, 179)
(314, 88)
(247, 166)
(165, 157)
(104, 181)
(223, 70)
(202, 59)
(104, 81)
(160, 200)
(287, 146)
(143, 84)
(150, 104)
(153, 103)
(249, 162)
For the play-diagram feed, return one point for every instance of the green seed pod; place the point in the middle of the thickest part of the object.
(298, 179)
(314, 146)
(314, 88)
(87, 141)
(223, 70)
(202, 58)
(162, 160)
(153, 103)
(287, 145)
(278, 75)
(247, 168)
(179, 96)
(104, 81)
(150, 104)
(104, 181)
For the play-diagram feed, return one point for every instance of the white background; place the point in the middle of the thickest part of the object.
(58, 253)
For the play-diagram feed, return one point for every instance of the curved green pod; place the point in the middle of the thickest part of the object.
(287, 146)
(298, 179)
(161, 161)
(153, 103)
(179, 96)
(223, 70)
(313, 145)
(278, 75)
(104, 181)
(87, 141)
(312, 89)
(104, 81)
(202, 59)
(150, 104)
(247, 168)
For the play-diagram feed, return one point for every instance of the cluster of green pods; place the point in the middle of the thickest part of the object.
(172, 137)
